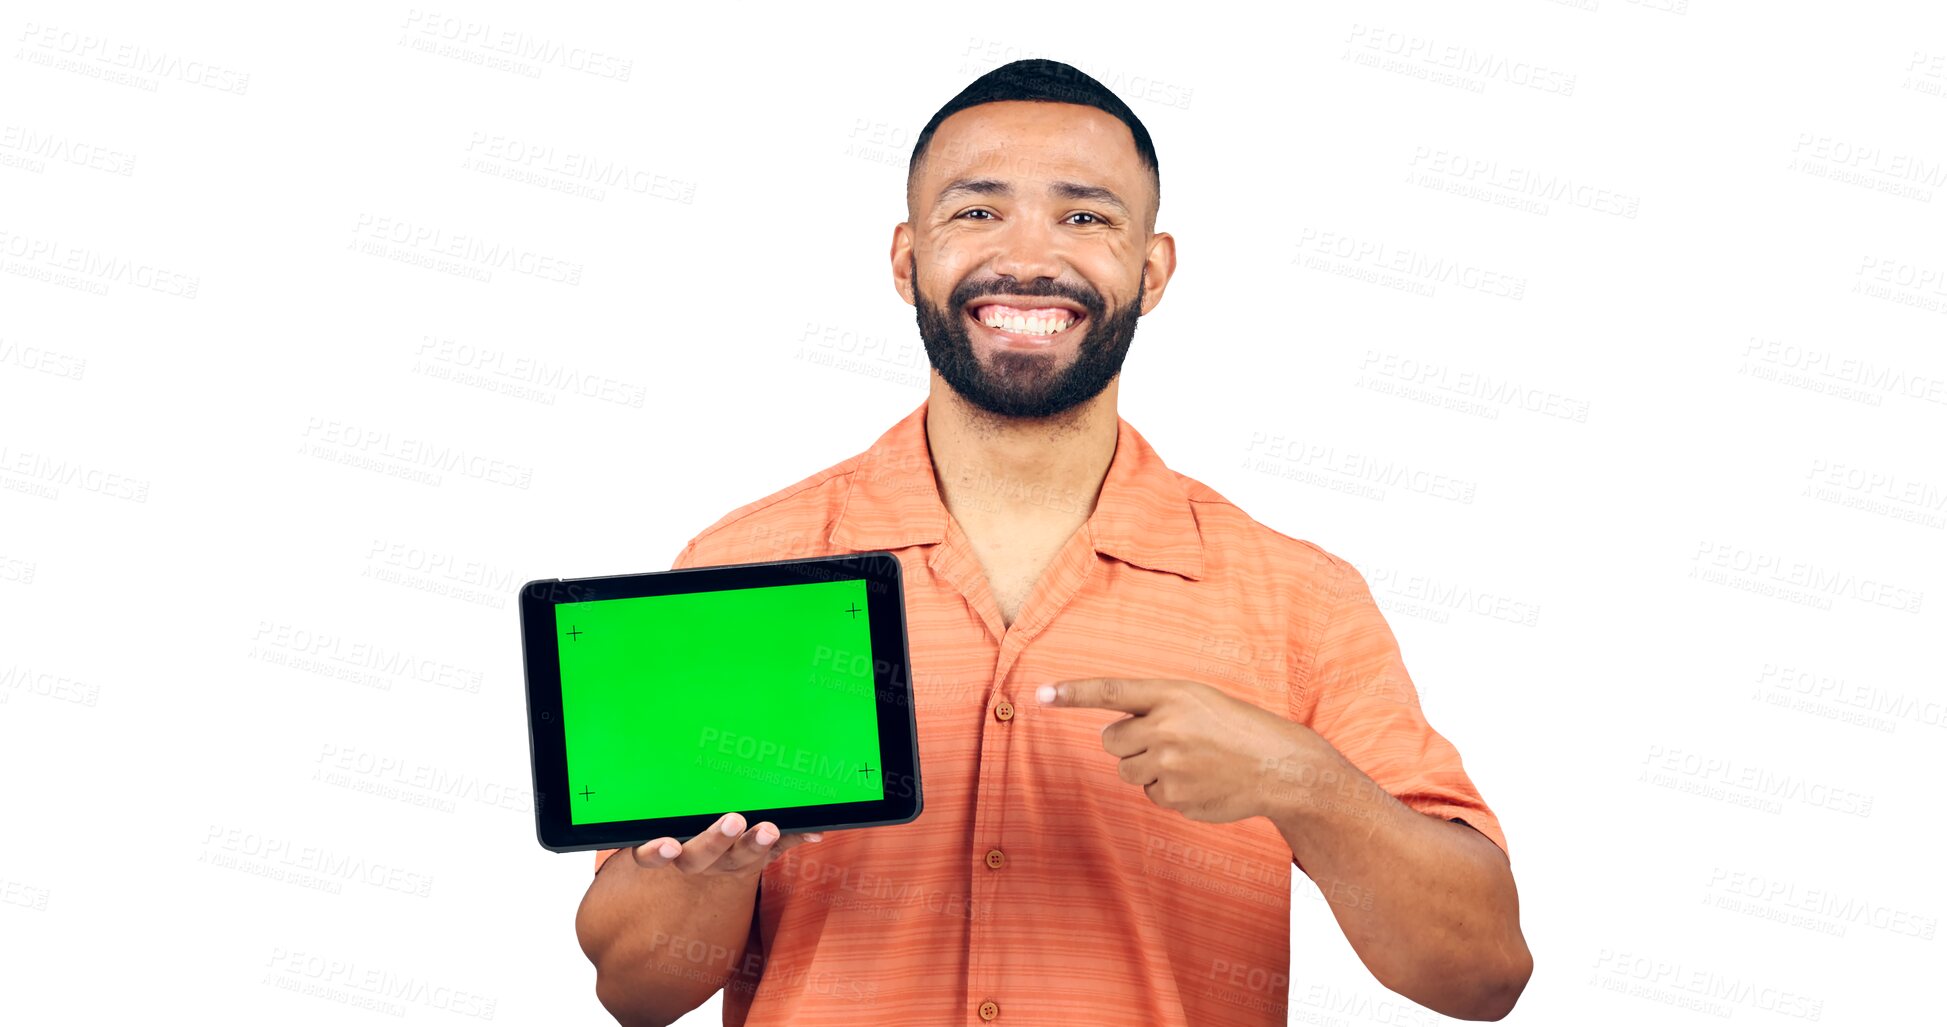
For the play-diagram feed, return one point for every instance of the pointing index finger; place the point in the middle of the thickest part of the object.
(1129, 695)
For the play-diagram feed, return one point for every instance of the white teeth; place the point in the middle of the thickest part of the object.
(1029, 325)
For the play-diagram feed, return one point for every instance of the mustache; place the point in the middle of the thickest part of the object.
(967, 292)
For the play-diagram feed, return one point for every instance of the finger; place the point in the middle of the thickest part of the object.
(1130, 695)
(1128, 736)
(1140, 770)
(789, 842)
(657, 853)
(752, 848)
(702, 851)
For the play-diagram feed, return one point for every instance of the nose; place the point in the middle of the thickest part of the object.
(1028, 249)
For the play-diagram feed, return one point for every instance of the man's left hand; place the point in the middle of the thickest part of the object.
(1192, 747)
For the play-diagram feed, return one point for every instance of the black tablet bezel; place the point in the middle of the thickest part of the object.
(898, 726)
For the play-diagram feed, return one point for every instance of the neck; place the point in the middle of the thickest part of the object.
(1039, 471)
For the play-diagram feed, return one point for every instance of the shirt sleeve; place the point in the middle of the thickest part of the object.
(1359, 698)
(686, 558)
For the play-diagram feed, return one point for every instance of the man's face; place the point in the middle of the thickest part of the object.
(1032, 221)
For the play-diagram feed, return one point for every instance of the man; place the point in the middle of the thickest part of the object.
(1137, 706)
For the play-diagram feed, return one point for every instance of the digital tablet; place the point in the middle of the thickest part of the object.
(658, 702)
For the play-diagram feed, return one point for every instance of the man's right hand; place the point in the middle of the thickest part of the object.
(726, 847)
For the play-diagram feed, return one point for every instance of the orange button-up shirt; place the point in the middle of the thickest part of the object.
(1036, 886)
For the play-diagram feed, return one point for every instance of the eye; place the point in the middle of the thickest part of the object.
(1086, 214)
(976, 210)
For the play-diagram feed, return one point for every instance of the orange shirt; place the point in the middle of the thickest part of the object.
(1037, 887)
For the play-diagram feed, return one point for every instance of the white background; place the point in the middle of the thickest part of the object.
(1646, 304)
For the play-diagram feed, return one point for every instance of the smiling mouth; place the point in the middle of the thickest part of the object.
(1026, 324)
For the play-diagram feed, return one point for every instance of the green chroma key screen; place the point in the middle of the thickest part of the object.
(709, 702)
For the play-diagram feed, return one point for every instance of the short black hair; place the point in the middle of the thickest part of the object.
(1043, 81)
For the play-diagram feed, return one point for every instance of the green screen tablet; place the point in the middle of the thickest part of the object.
(658, 702)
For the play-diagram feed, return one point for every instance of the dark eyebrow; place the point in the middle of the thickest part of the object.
(1063, 190)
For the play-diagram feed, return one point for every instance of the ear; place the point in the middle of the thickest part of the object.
(1158, 265)
(902, 262)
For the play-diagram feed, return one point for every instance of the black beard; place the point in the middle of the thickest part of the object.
(1025, 384)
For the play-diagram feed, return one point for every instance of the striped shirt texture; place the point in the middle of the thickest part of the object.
(1037, 887)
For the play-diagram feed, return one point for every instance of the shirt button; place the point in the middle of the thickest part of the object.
(989, 1010)
(1005, 711)
(994, 859)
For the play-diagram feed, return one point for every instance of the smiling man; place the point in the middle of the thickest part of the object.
(1138, 707)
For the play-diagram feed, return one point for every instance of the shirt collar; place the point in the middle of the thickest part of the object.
(1142, 516)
